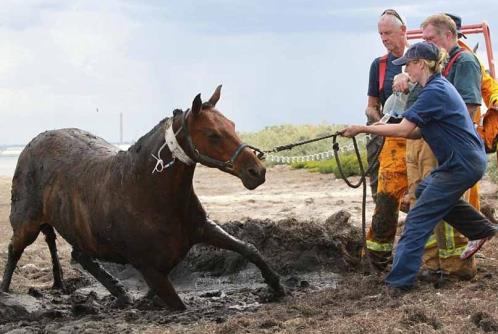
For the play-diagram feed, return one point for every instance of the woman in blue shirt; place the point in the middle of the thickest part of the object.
(439, 116)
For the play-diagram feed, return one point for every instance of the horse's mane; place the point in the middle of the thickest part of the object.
(138, 145)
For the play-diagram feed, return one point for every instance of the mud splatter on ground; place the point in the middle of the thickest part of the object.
(214, 284)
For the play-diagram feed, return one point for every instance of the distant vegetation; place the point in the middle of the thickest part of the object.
(273, 136)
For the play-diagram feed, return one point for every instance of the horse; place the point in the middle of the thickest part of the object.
(130, 206)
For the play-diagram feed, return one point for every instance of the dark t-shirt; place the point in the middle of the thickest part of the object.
(444, 121)
(465, 75)
(373, 81)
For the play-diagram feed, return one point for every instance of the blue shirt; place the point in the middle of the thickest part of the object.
(444, 121)
(373, 81)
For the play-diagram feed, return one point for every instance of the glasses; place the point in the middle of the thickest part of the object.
(394, 13)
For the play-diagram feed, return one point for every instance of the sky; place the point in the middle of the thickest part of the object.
(83, 63)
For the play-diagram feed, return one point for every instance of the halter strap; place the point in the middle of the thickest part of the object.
(176, 150)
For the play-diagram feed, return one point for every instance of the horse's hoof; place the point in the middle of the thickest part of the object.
(59, 286)
(279, 291)
(123, 300)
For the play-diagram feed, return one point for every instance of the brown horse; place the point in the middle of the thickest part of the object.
(109, 206)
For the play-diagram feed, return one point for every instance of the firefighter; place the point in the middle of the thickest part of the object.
(440, 116)
(392, 181)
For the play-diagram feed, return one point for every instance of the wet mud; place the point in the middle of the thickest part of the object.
(214, 284)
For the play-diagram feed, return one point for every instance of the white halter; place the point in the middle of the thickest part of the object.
(176, 150)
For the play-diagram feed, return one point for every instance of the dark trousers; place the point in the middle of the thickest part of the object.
(438, 198)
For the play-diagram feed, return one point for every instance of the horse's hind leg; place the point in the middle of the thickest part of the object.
(216, 236)
(24, 235)
(106, 279)
(56, 266)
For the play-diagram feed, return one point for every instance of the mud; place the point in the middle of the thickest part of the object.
(289, 215)
(214, 284)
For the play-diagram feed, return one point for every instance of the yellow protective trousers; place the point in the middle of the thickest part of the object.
(392, 186)
(443, 249)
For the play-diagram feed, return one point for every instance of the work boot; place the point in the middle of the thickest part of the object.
(395, 292)
(379, 262)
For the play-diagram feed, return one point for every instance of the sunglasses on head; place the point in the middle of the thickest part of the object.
(394, 13)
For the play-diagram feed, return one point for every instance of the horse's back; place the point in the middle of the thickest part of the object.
(67, 143)
(52, 161)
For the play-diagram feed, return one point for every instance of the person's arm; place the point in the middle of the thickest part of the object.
(373, 109)
(404, 129)
(415, 134)
(472, 109)
(489, 90)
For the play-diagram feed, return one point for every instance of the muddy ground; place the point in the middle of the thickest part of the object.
(306, 225)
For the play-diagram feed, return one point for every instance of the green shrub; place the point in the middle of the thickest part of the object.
(349, 164)
(273, 136)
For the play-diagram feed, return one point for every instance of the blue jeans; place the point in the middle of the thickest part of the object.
(439, 198)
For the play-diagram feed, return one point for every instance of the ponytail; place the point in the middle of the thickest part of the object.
(436, 66)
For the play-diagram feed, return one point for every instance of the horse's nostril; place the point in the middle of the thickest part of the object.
(253, 172)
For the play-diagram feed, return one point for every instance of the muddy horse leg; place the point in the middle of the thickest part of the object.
(23, 236)
(106, 279)
(216, 236)
(160, 284)
(56, 266)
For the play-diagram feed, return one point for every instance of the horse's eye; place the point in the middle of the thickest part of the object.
(214, 137)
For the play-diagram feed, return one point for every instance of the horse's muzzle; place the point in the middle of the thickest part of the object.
(253, 176)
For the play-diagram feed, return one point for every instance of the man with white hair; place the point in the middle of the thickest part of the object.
(389, 184)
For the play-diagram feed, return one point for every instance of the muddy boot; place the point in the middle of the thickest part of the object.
(458, 268)
(378, 261)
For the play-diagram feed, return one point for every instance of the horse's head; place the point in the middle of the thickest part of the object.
(212, 141)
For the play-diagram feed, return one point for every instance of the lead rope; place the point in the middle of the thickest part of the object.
(362, 181)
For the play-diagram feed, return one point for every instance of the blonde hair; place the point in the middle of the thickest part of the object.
(436, 66)
(442, 23)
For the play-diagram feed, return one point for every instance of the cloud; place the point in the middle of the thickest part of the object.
(293, 62)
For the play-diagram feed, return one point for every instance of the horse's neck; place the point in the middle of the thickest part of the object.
(177, 177)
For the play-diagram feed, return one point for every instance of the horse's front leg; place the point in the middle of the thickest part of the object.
(160, 284)
(214, 235)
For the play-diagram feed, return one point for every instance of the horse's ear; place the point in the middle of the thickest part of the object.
(216, 96)
(197, 104)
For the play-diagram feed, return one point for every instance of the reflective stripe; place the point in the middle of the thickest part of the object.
(449, 236)
(446, 253)
(432, 242)
(379, 247)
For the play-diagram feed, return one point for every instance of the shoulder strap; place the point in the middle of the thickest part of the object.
(382, 71)
(449, 65)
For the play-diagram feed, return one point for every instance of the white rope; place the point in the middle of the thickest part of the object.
(312, 157)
